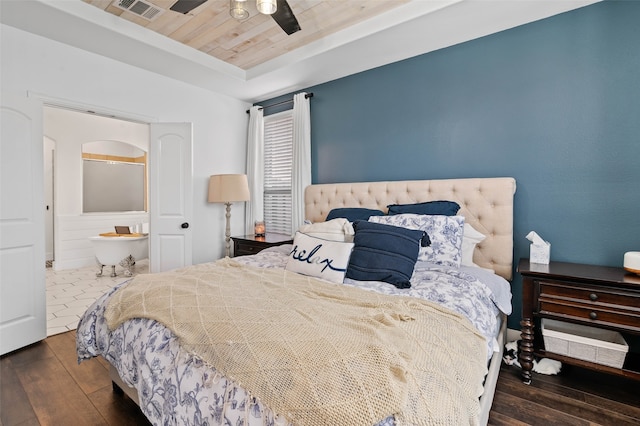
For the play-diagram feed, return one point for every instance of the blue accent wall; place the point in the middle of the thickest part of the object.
(554, 103)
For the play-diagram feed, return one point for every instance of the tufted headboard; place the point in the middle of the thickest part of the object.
(486, 204)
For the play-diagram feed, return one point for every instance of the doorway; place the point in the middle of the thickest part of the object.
(78, 138)
(74, 144)
(23, 256)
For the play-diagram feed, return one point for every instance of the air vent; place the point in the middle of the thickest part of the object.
(141, 8)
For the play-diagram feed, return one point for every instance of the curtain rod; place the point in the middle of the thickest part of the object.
(307, 96)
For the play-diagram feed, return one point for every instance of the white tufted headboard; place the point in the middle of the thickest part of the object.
(486, 204)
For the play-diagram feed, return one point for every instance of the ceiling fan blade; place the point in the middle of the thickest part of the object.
(285, 18)
(186, 6)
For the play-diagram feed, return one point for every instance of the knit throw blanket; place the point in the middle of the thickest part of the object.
(314, 352)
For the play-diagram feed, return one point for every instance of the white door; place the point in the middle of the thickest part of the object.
(170, 196)
(22, 260)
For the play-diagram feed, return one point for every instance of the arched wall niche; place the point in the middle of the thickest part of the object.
(114, 177)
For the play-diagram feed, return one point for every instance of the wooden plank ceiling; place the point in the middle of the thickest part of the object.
(258, 39)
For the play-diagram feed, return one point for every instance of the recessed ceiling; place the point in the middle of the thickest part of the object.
(245, 44)
(254, 59)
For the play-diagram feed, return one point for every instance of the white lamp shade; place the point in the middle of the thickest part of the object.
(228, 188)
(267, 7)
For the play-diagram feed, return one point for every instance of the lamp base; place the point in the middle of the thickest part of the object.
(227, 234)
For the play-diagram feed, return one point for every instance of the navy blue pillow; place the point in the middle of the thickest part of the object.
(353, 213)
(446, 208)
(385, 253)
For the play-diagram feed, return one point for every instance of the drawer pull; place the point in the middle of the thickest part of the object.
(593, 297)
(593, 315)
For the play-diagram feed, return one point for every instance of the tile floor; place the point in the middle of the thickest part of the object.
(70, 292)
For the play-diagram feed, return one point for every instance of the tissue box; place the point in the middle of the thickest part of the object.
(540, 253)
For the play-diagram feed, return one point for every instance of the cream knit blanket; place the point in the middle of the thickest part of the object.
(317, 353)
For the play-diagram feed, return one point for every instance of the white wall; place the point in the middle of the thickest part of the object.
(116, 148)
(32, 63)
(70, 130)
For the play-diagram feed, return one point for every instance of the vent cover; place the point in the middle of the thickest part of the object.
(141, 8)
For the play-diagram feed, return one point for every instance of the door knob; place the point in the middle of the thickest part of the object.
(184, 225)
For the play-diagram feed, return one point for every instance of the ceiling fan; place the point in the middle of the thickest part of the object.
(283, 14)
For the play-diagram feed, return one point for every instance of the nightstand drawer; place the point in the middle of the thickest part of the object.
(596, 296)
(250, 244)
(243, 249)
(619, 318)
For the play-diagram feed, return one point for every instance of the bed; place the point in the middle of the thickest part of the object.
(176, 382)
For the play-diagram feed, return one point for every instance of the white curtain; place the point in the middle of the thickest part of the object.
(255, 168)
(301, 170)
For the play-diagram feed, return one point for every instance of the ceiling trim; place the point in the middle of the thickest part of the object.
(384, 39)
(395, 17)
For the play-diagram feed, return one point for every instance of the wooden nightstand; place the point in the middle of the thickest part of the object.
(597, 296)
(250, 244)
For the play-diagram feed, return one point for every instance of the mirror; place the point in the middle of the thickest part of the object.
(114, 177)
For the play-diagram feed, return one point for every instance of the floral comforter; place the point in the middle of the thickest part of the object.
(176, 388)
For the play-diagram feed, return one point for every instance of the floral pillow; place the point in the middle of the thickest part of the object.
(445, 232)
(319, 258)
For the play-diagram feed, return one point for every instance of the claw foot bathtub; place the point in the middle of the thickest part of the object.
(120, 250)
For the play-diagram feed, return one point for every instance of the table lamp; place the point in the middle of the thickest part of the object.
(228, 189)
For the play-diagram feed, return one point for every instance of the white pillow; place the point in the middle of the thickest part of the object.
(445, 233)
(470, 239)
(338, 229)
(319, 258)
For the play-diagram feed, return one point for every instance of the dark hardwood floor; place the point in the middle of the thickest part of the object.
(44, 385)
(574, 397)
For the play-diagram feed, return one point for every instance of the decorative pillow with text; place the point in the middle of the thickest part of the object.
(319, 258)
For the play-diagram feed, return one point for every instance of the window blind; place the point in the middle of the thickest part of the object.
(278, 163)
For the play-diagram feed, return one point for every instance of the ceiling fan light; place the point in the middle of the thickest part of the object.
(268, 7)
(238, 9)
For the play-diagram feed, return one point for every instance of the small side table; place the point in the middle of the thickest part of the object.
(597, 296)
(250, 244)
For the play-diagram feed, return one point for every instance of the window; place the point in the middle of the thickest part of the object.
(278, 163)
